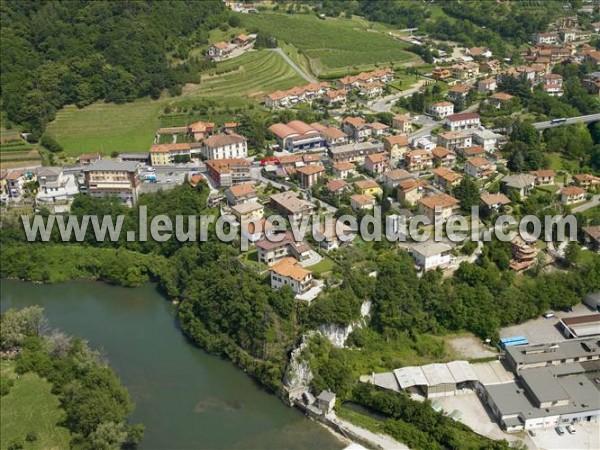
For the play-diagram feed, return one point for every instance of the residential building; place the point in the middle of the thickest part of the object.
(356, 128)
(572, 194)
(371, 90)
(441, 73)
(227, 172)
(431, 255)
(396, 146)
(462, 121)
(552, 84)
(472, 151)
(344, 170)
(543, 177)
(458, 92)
(438, 207)
(15, 184)
(281, 246)
(500, 99)
(225, 146)
(378, 129)
(522, 183)
(113, 179)
(288, 203)
(441, 110)
(295, 95)
(310, 175)
(465, 71)
(446, 178)
(402, 123)
(410, 191)
(200, 130)
(524, 251)
(241, 193)
(586, 181)
(479, 52)
(352, 82)
(335, 98)
(220, 50)
(169, 154)
(362, 201)
(326, 234)
(418, 160)
(494, 202)
(85, 159)
(392, 178)
(479, 167)
(591, 82)
(289, 272)
(591, 237)
(55, 186)
(368, 186)
(354, 153)
(248, 211)
(332, 135)
(337, 187)
(486, 139)
(377, 163)
(490, 67)
(443, 157)
(454, 140)
(546, 38)
(487, 85)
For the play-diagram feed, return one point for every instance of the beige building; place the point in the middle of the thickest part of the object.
(108, 179)
(438, 207)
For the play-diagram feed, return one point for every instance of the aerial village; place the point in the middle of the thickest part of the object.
(408, 164)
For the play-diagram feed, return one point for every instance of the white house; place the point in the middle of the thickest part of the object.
(441, 109)
(430, 255)
(462, 121)
(224, 146)
(288, 272)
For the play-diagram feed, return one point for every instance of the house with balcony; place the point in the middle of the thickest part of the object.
(411, 190)
(443, 157)
(454, 140)
(377, 163)
(289, 204)
(402, 123)
(241, 193)
(310, 175)
(225, 146)
(431, 255)
(280, 246)
(522, 183)
(354, 153)
(543, 177)
(572, 194)
(289, 272)
(479, 167)
(113, 179)
(343, 170)
(438, 207)
(462, 121)
(368, 186)
(228, 172)
(356, 128)
(396, 146)
(393, 178)
(446, 178)
(360, 202)
(441, 110)
(487, 85)
(418, 160)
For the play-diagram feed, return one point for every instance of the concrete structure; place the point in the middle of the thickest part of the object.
(486, 138)
(581, 326)
(108, 179)
(326, 401)
(227, 172)
(169, 154)
(454, 140)
(441, 110)
(297, 136)
(55, 186)
(430, 255)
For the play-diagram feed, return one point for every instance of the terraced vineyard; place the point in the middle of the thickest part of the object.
(252, 75)
(107, 127)
(333, 46)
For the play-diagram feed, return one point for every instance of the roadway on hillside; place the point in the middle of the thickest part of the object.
(293, 65)
(570, 121)
(594, 201)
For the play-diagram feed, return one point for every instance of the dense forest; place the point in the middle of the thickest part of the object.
(78, 52)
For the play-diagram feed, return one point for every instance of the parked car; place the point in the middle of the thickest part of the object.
(531, 433)
(560, 430)
(571, 429)
(549, 314)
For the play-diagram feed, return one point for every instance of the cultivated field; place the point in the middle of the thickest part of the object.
(333, 46)
(107, 127)
(30, 407)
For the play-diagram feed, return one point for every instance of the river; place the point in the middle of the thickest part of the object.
(185, 397)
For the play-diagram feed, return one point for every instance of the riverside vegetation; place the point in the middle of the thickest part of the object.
(229, 308)
(93, 403)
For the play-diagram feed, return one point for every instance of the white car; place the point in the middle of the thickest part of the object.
(571, 429)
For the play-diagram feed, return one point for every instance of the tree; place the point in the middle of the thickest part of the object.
(572, 253)
(467, 192)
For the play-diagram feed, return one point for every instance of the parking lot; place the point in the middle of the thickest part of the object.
(544, 330)
(587, 436)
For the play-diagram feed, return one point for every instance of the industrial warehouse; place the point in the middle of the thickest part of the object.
(555, 384)
(533, 386)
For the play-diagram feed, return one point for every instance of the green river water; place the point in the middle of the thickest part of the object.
(186, 398)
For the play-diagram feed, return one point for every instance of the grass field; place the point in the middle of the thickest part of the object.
(31, 407)
(107, 127)
(334, 46)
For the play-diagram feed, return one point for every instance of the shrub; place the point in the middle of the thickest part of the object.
(51, 144)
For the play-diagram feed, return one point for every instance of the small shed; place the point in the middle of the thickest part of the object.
(326, 401)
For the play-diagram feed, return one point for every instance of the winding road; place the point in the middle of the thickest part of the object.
(293, 65)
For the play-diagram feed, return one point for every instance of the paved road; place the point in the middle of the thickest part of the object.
(293, 65)
(569, 121)
(595, 201)
(385, 104)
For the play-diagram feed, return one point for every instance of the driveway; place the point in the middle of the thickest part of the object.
(385, 104)
(293, 65)
(595, 201)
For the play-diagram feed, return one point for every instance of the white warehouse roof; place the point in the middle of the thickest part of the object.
(435, 374)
